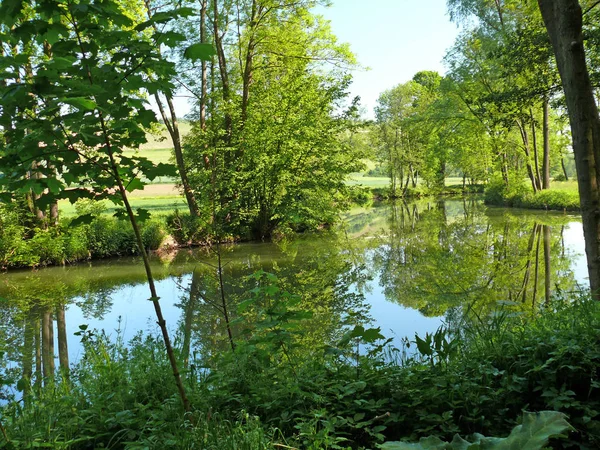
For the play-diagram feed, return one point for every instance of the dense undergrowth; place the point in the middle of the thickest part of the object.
(521, 196)
(26, 243)
(272, 392)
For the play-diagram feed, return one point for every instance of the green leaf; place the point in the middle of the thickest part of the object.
(60, 63)
(80, 103)
(429, 443)
(134, 184)
(54, 185)
(142, 214)
(533, 434)
(84, 219)
(202, 52)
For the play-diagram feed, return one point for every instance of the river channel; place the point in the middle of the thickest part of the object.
(406, 268)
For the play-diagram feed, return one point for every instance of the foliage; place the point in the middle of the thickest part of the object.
(533, 434)
(497, 193)
(326, 390)
(274, 150)
(24, 244)
(187, 229)
(117, 397)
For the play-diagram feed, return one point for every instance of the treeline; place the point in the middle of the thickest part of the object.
(267, 79)
(269, 110)
(498, 114)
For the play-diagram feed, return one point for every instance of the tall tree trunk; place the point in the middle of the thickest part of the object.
(172, 124)
(188, 320)
(536, 158)
(563, 20)
(203, 67)
(38, 352)
(249, 63)
(27, 353)
(525, 138)
(224, 74)
(564, 168)
(537, 268)
(526, 276)
(162, 323)
(546, 131)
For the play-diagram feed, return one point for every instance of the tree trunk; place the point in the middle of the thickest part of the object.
(27, 353)
(224, 75)
(564, 168)
(46, 352)
(537, 268)
(563, 20)
(38, 353)
(188, 320)
(536, 159)
(249, 64)
(527, 274)
(525, 138)
(204, 71)
(546, 161)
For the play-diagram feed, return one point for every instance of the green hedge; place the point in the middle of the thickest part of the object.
(519, 196)
(22, 244)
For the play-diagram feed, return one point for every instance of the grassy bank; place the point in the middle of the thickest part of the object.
(562, 196)
(269, 395)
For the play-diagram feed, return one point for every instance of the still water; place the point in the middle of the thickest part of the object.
(407, 268)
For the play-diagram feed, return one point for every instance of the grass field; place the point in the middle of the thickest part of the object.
(158, 198)
(162, 196)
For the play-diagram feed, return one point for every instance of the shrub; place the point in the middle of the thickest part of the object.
(498, 193)
(186, 229)
(153, 233)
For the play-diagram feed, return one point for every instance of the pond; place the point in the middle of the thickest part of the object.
(405, 267)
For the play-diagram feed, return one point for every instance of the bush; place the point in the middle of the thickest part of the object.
(551, 199)
(360, 195)
(153, 233)
(493, 373)
(520, 196)
(498, 193)
(187, 230)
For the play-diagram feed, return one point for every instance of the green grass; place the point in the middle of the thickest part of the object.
(570, 186)
(156, 205)
(156, 155)
(163, 140)
(357, 179)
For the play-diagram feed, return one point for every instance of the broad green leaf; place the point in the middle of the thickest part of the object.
(533, 434)
(80, 103)
(134, 184)
(429, 443)
(535, 431)
(142, 214)
(84, 219)
(197, 52)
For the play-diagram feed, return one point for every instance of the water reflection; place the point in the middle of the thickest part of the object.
(406, 265)
(436, 257)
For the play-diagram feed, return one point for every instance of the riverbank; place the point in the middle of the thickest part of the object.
(560, 197)
(476, 379)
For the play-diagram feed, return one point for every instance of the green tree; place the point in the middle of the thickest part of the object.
(271, 153)
(75, 109)
(564, 22)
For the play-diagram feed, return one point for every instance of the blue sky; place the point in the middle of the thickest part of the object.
(394, 38)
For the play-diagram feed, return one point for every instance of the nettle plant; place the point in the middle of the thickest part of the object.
(73, 79)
